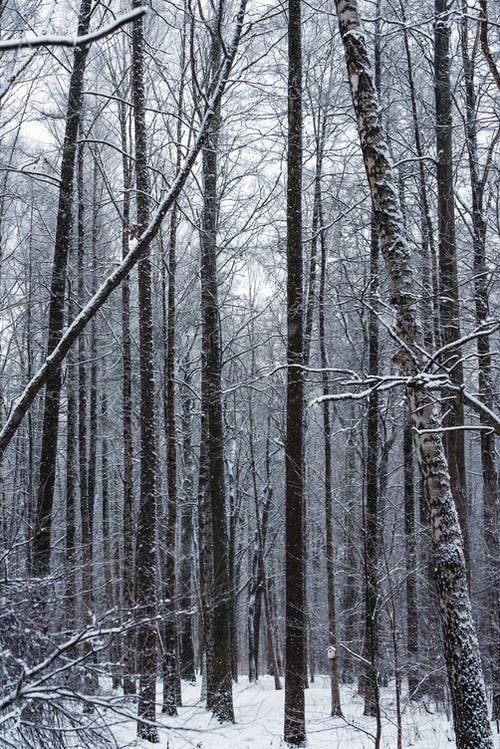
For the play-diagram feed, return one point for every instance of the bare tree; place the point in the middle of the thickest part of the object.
(462, 655)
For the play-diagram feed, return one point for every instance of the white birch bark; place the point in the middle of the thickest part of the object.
(462, 656)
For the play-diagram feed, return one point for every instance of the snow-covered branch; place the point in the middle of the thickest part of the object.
(68, 41)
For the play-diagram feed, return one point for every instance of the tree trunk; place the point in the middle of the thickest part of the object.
(50, 428)
(461, 650)
(186, 644)
(491, 494)
(350, 594)
(294, 725)
(449, 311)
(333, 660)
(128, 451)
(412, 609)
(218, 638)
(145, 562)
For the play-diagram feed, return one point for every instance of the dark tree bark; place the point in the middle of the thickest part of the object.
(145, 561)
(429, 258)
(50, 428)
(448, 280)
(373, 512)
(465, 680)
(218, 637)
(294, 726)
(491, 494)
(171, 677)
(371, 516)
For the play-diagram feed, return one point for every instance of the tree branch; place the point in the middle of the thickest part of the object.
(66, 41)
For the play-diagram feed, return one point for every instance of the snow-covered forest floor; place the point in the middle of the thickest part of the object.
(259, 722)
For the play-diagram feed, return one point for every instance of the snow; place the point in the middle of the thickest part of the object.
(259, 722)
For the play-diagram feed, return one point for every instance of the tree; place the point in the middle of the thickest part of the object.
(45, 495)
(217, 614)
(294, 730)
(145, 559)
(465, 680)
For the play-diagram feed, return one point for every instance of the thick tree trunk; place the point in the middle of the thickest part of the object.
(145, 561)
(218, 638)
(461, 650)
(294, 726)
(50, 428)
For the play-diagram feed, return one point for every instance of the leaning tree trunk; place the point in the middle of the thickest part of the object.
(461, 650)
(145, 562)
(294, 727)
(50, 428)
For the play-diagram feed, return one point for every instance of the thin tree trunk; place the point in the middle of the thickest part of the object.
(349, 594)
(171, 677)
(412, 609)
(333, 660)
(71, 482)
(128, 451)
(187, 670)
(449, 311)
(261, 533)
(429, 257)
(232, 481)
(467, 690)
(491, 494)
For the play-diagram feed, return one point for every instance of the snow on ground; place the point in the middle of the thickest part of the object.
(259, 722)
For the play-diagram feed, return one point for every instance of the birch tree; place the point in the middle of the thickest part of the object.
(470, 712)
